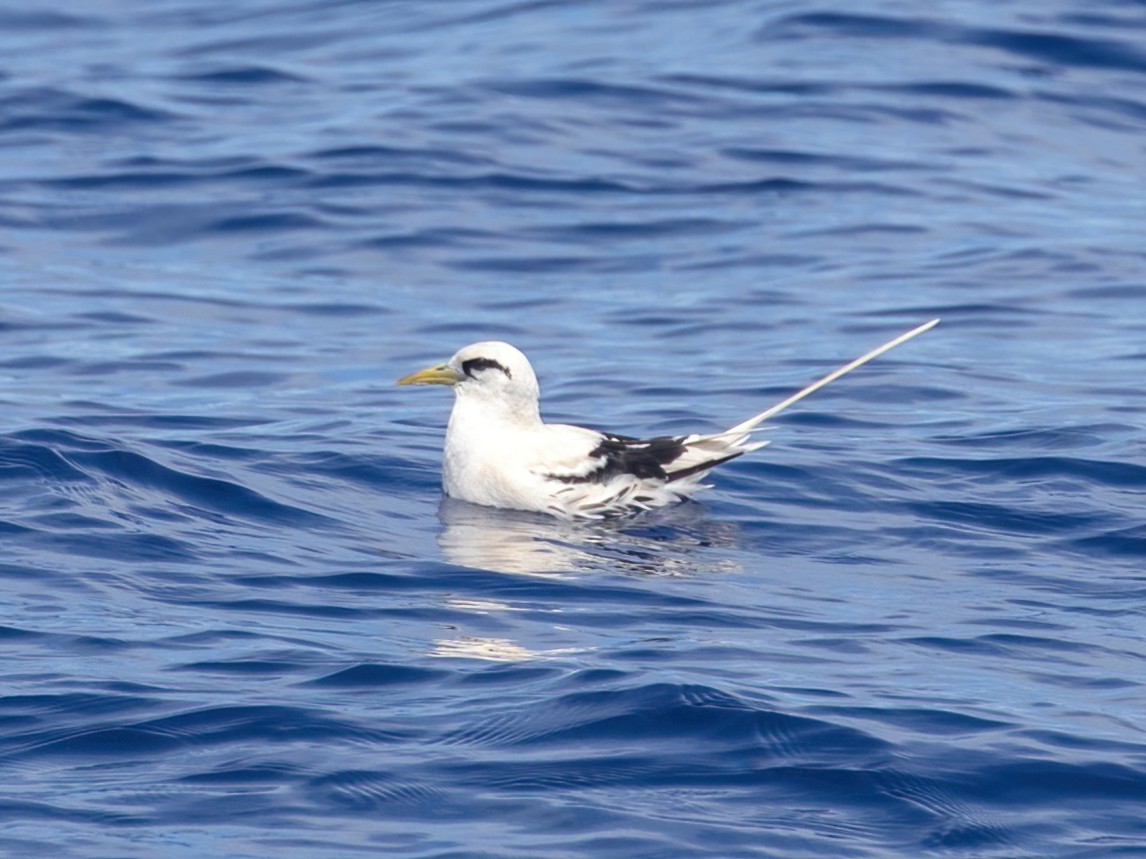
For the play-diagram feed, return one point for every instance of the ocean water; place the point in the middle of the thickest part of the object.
(238, 618)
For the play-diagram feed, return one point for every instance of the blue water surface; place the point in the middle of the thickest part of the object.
(238, 618)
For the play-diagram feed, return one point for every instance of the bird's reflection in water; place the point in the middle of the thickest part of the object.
(489, 649)
(672, 541)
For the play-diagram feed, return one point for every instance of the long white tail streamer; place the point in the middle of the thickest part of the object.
(751, 423)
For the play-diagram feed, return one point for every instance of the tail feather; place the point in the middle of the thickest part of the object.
(751, 424)
(718, 447)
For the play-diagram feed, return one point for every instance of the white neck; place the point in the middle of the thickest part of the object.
(475, 409)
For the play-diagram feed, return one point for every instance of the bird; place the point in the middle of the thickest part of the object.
(499, 452)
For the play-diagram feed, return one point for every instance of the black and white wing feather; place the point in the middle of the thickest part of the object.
(622, 474)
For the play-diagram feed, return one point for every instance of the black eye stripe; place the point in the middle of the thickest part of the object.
(474, 364)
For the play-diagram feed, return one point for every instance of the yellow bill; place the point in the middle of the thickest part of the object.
(439, 374)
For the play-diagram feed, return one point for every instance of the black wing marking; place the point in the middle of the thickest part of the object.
(649, 458)
(622, 454)
(702, 466)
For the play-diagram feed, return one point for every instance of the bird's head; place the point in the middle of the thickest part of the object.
(490, 371)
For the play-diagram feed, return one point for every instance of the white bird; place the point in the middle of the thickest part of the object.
(500, 453)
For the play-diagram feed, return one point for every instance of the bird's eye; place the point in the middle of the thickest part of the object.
(475, 365)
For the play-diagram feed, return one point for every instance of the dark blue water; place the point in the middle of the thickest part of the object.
(237, 620)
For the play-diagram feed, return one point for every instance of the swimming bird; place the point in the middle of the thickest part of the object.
(500, 453)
